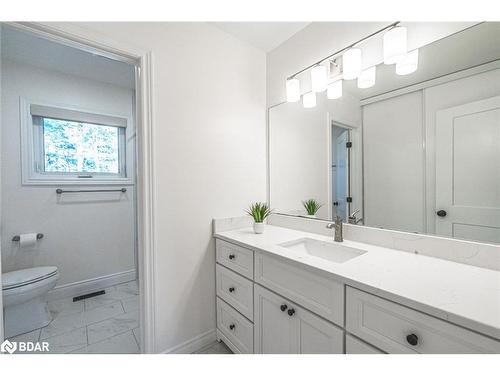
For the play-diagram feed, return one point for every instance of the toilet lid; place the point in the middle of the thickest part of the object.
(27, 276)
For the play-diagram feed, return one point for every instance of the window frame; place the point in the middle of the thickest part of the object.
(33, 154)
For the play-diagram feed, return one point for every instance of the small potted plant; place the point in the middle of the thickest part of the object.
(312, 206)
(259, 211)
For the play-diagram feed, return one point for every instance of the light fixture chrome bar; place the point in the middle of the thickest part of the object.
(61, 191)
(345, 49)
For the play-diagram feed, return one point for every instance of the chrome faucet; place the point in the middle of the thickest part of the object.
(337, 225)
(352, 219)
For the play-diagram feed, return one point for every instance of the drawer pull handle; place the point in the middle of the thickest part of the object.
(231, 289)
(412, 339)
(232, 327)
(283, 307)
(291, 312)
(232, 256)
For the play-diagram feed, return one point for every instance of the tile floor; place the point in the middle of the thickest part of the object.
(108, 323)
(215, 348)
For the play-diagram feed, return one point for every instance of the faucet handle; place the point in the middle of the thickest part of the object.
(330, 225)
(353, 214)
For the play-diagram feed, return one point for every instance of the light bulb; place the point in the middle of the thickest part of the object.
(351, 61)
(408, 64)
(367, 78)
(395, 45)
(292, 90)
(309, 100)
(334, 90)
(318, 78)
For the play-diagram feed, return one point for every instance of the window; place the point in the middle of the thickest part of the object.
(69, 146)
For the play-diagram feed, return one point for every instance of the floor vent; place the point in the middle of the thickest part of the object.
(90, 295)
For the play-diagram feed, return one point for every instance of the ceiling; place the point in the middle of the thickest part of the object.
(262, 35)
(26, 48)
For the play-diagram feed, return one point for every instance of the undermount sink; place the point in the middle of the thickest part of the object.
(332, 251)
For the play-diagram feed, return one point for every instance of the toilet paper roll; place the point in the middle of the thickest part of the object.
(27, 240)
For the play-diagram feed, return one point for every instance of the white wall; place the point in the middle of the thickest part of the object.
(300, 152)
(86, 235)
(393, 163)
(321, 39)
(209, 101)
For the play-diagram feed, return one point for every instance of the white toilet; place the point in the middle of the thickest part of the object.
(25, 299)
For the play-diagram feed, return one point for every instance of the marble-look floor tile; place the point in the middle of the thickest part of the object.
(137, 335)
(65, 306)
(65, 323)
(32, 336)
(131, 304)
(112, 295)
(216, 348)
(67, 342)
(121, 344)
(112, 327)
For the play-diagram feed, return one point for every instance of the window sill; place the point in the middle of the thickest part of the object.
(76, 181)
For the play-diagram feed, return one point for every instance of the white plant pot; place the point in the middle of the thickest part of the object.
(311, 216)
(258, 228)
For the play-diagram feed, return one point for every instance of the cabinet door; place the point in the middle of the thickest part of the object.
(291, 330)
(274, 330)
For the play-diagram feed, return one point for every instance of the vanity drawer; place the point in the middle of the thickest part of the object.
(235, 290)
(353, 345)
(235, 327)
(235, 257)
(319, 294)
(398, 329)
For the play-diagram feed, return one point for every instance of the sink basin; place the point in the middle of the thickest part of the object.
(331, 251)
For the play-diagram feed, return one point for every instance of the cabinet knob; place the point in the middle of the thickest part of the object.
(441, 213)
(291, 312)
(232, 327)
(283, 307)
(232, 256)
(412, 339)
(231, 289)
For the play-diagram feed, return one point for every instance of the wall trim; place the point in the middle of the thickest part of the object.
(194, 344)
(492, 65)
(91, 285)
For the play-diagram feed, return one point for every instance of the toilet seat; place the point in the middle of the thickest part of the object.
(17, 279)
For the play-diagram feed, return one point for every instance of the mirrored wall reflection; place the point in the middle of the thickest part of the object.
(417, 152)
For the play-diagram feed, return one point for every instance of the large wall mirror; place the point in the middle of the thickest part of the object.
(417, 152)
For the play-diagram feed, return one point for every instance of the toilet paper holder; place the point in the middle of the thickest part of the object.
(16, 238)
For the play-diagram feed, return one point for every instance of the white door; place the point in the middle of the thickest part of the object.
(281, 327)
(468, 171)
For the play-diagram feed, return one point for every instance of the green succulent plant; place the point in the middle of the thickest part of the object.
(259, 211)
(312, 206)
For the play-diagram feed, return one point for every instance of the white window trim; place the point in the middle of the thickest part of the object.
(30, 176)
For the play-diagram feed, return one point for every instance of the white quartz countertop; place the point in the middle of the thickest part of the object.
(466, 295)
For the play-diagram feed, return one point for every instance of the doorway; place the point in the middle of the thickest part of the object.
(341, 170)
(123, 288)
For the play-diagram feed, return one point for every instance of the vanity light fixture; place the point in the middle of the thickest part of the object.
(395, 45)
(351, 62)
(292, 90)
(367, 78)
(408, 64)
(309, 100)
(334, 89)
(318, 78)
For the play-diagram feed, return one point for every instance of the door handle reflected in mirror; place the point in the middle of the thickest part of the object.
(441, 213)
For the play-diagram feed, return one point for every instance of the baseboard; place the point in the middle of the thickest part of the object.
(194, 344)
(91, 285)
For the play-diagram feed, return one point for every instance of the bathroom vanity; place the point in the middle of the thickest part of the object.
(291, 291)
